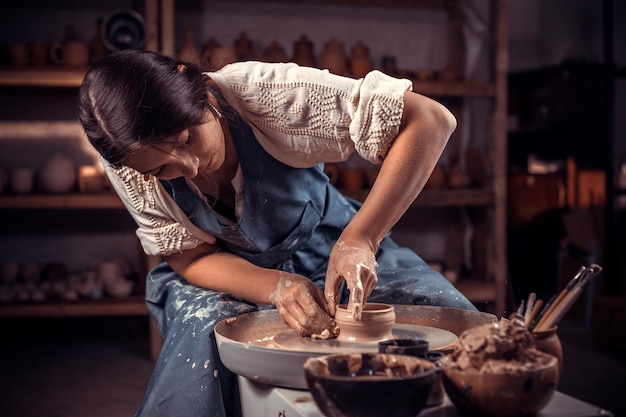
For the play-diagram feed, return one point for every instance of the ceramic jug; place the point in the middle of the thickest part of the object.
(360, 61)
(303, 52)
(334, 57)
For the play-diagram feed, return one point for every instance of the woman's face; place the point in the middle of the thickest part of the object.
(197, 149)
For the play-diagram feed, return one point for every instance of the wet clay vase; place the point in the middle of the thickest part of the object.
(548, 341)
(376, 323)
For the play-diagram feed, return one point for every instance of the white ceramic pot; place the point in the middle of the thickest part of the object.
(58, 175)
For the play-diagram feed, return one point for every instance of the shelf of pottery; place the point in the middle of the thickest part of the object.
(47, 172)
(90, 261)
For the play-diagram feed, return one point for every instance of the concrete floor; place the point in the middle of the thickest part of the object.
(100, 368)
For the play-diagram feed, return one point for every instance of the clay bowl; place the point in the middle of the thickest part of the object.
(490, 394)
(370, 384)
(376, 323)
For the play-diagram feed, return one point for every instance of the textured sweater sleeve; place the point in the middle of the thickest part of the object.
(304, 116)
(163, 228)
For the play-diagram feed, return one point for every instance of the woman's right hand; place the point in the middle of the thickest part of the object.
(302, 306)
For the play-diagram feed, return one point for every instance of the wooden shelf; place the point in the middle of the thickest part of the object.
(62, 201)
(428, 198)
(45, 77)
(451, 197)
(59, 77)
(134, 306)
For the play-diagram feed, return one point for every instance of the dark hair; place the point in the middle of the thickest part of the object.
(133, 98)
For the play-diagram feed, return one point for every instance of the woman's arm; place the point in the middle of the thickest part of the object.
(299, 302)
(205, 266)
(424, 132)
(425, 129)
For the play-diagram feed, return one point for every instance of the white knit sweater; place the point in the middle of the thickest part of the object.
(301, 116)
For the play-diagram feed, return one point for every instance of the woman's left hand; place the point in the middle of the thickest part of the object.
(353, 262)
(302, 307)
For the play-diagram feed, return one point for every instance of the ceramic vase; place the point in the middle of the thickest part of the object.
(334, 57)
(303, 52)
(360, 61)
(58, 175)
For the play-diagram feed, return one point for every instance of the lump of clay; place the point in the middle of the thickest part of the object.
(505, 346)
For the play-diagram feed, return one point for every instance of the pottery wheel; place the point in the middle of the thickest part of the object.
(437, 339)
(248, 347)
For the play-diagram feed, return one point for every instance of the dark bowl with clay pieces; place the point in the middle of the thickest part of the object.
(520, 393)
(370, 384)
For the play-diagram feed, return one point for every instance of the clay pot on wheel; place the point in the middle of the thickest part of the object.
(376, 323)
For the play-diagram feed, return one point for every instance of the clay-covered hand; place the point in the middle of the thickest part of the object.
(302, 307)
(354, 263)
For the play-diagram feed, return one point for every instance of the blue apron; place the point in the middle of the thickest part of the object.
(291, 219)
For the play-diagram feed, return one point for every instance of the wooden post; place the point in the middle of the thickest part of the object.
(498, 268)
